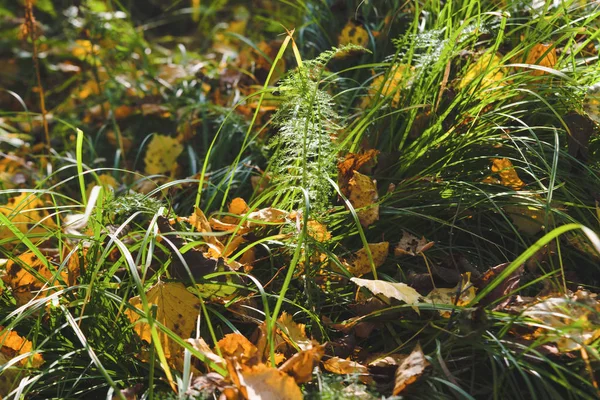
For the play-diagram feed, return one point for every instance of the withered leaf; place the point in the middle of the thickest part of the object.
(411, 245)
(410, 370)
(363, 197)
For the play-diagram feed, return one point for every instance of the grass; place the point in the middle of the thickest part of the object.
(443, 89)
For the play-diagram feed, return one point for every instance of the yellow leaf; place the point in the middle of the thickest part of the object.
(342, 366)
(536, 56)
(410, 370)
(508, 175)
(235, 345)
(29, 277)
(448, 296)
(106, 181)
(264, 383)
(569, 321)
(13, 345)
(391, 290)
(362, 265)
(300, 366)
(26, 213)
(82, 48)
(318, 231)
(292, 332)
(363, 197)
(527, 219)
(486, 66)
(161, 154)
(176, 309)
(399, 76)
(353, 33)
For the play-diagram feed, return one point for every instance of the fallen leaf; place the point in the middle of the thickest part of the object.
(459, 296)
(485, 71)
(543, 55)
(26, 212)
(238, 206)
(202, 347)
(176, 310)
(361, 264)
(318, 231)
(262, 382)
(353, 162)
(353, 33)
(161, 154)
(507, 173)
(391, 290)
(292, 332)
(410, 370)
(301, 365)
(411, 245)
(29, 277)
(569, 321)
(13, 345)
(235, 345)
(363, 197)
(527, 219)
(267, 215)
(389, 85)
(508, 285)
(343, 366)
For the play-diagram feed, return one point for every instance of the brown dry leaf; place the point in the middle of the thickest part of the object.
(411, 245)
(161, 154)
(410, 370)
(200, 223)
(391, 290)
(201, 346)
(176, 309)
(267, 215)
(26, 213)
(353, 162)
(363, 197)
(543, 55)
(362, 265)
(261, 382)
(465, 291)
(13, 345)
(27, 275)
(569, 321)
(300, 366)
(235, 345)
(343, 366)
(292, 332)
(386, 360)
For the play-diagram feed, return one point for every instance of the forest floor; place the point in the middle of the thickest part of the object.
(320, 199)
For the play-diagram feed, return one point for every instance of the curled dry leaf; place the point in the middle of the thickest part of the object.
(203, 347)
(262, 382)
(293, 333)
(300, 366)
(342, 366)
(362, 265)
(26, 213)
(235, 345)
(267, 215)
(459, 296)
(13, 345)
(391, 290)
(569, 321)
(176, 309)
(411, 245)
(363, 197)
(410, 370)
(161, 154)
(353, 162)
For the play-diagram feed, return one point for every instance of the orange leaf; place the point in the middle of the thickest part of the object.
(543, 55)
(342, 366)
(410, 370)
(13, 345)
(363, 197)
(362, 265)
